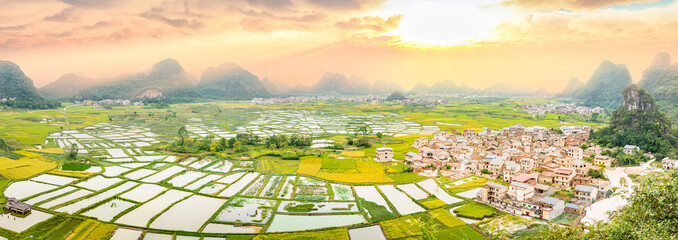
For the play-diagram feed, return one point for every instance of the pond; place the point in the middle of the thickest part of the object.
(139, 174)
(157, 236)
(114, 171)
(317, 207)
(286, 223)
(231, 178)
(107, 211)
(189, 214)
(221, 167)
(125, 234)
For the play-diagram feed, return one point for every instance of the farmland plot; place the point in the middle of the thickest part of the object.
(287, 189)
(247, 210)
(71, 196)
(227, 228)
(143, 192)
(342, 193)
(186, 178)
(139, 174)
(107, 211)
(49, 195)
(220, 167)
(414, 191)
(271, 187)
(211, 189)
(162, 175)
(197, 184)
(372, 233)
(253, 189)
(317, 207)
(77, 206)
(141, 215)
(114, 171)
(228, 179)
(54, 180)
(371, 194)
(157, 236)
(189, 214)
(20, 224)
(24, 189)
(402, 203)
(126, 234)
(98, 183)
(239, 185)
(286, 223)
(432, 187)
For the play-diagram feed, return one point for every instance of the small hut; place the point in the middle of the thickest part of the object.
(14, 205)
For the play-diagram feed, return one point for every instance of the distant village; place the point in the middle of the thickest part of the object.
(534, 161)
(559, 108)
(122, 102)
(366, 99)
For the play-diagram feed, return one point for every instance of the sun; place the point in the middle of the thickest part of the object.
(445, 22)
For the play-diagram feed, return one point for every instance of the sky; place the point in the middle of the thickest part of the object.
(478, 43)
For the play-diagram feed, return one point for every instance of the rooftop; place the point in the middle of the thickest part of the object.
(584, 188)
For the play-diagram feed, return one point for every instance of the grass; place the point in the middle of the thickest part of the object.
(566, 218)
(475, 210)
(334, 163)
(432, 202)
(376, 212)
(310, 165)
(407, 226)
(24, 167)
(268, 164)
(300, 208)
(352, 154)
(334, 234)
(532, 231)
(446, 218)
(75, 166)
(405, 177)
(458, 233)
(49, 150)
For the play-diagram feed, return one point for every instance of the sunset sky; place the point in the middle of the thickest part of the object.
(533, 43)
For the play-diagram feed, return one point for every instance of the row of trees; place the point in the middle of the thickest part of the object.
(239, 143)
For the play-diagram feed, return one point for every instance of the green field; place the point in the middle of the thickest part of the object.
(475, 210)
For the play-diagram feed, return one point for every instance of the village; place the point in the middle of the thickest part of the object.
(561, 108)
(534, 163)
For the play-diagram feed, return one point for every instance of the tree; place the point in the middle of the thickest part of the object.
(182, 134)
(594, 117)
(73, 151)
(396, 96)
(595, 173)
(380, 135)
(485, 171)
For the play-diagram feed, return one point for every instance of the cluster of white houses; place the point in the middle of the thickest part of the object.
(535, 161)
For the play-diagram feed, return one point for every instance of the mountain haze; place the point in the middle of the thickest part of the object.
(573, 87)
(67, 86)
(661, 79)
(604, 87)
(230, 81)
(166, 80)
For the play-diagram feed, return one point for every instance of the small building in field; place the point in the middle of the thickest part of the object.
(631, 149)
(551, 208)
(14, 205)
(603, 160)
(669, 164)
(384, 154)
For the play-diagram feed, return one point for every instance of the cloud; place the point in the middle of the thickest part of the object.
(271, 4)
(550, 5)
(344, 4)
(92, 3)
(373, 23)
(66, 15)
(157, 14)
(304, 17)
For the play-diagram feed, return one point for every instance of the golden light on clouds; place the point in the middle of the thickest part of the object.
(442, 23)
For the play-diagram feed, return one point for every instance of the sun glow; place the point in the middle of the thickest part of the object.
(444, 22)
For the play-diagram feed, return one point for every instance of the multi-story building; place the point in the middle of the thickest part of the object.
(563, 177)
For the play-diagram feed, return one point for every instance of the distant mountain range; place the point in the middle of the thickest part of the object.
(604, 87)
(661, 79)
(17, 90)
(230, 81)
